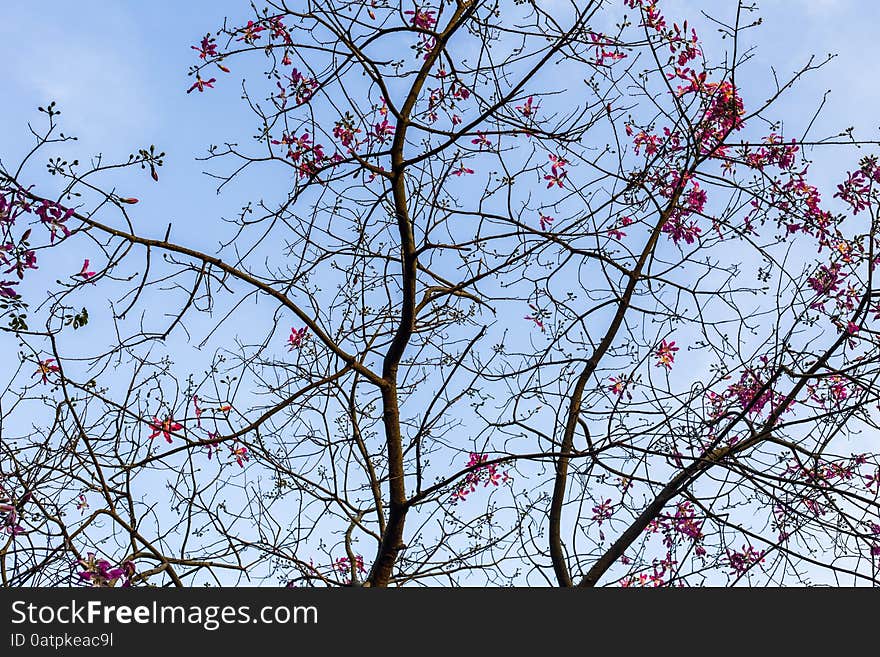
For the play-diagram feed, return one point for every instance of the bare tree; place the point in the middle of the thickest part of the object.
(521, 297)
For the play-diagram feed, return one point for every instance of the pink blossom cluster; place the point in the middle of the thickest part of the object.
(423, 20)
(602, 511)
(489, 475)
(665, 354)
(308, 157)
(557, 171)
(685, 523)
(823, 474)
(9, 519)
(343, 566)
(743, 560)
(654, 579)
(298, 86)
(830, 392)
(775, 153)
(750, 393)
(857, 188)
(346, 132)
(99, 573)
(297, 337)
(607, 49)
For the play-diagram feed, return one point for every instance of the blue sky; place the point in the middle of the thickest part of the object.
(118, 71)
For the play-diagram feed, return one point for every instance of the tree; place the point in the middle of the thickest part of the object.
(527, 296)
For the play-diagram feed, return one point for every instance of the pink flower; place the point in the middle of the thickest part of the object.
(46, 367)
(207, 48)
(557, 171)
(603, 511)
(489, 474)
(240, 454)
(250, 32)
(679, 230)
(6, 291)
(422, 19)
(9, 520)
(527, 109)
(382, 131)
(99, 573)
(213, 444)
(536, 317)
(343, 565)
(198, 410)
(201, 84)
(84, 272)
(665, 354)
(740, 562)
(619, 386)
(545, 222)
(164, 427)
(296, 337)
(54, 216)
(482, 141)
(461, 170)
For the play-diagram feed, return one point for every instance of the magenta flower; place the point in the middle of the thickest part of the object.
(489, 474)
(163, 427)
(740, 562)
(207, 48)
(213, 445)
(544, 221)
(482, 141)
(198, 411)
(84, 272)
(250, 32)
(99, 572)
(619, 386)
(54, 217)
(9, 520)
(603, 511)
(343, 566)
(825, 280)
(536, 317)
(527, 109)
(665, 354)
(296, 337)
(557, 171)
(240, 454)
(24, 258)
(201, 84)
(679, 230)
(46, 367)
(6, 291)
(422, 19)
